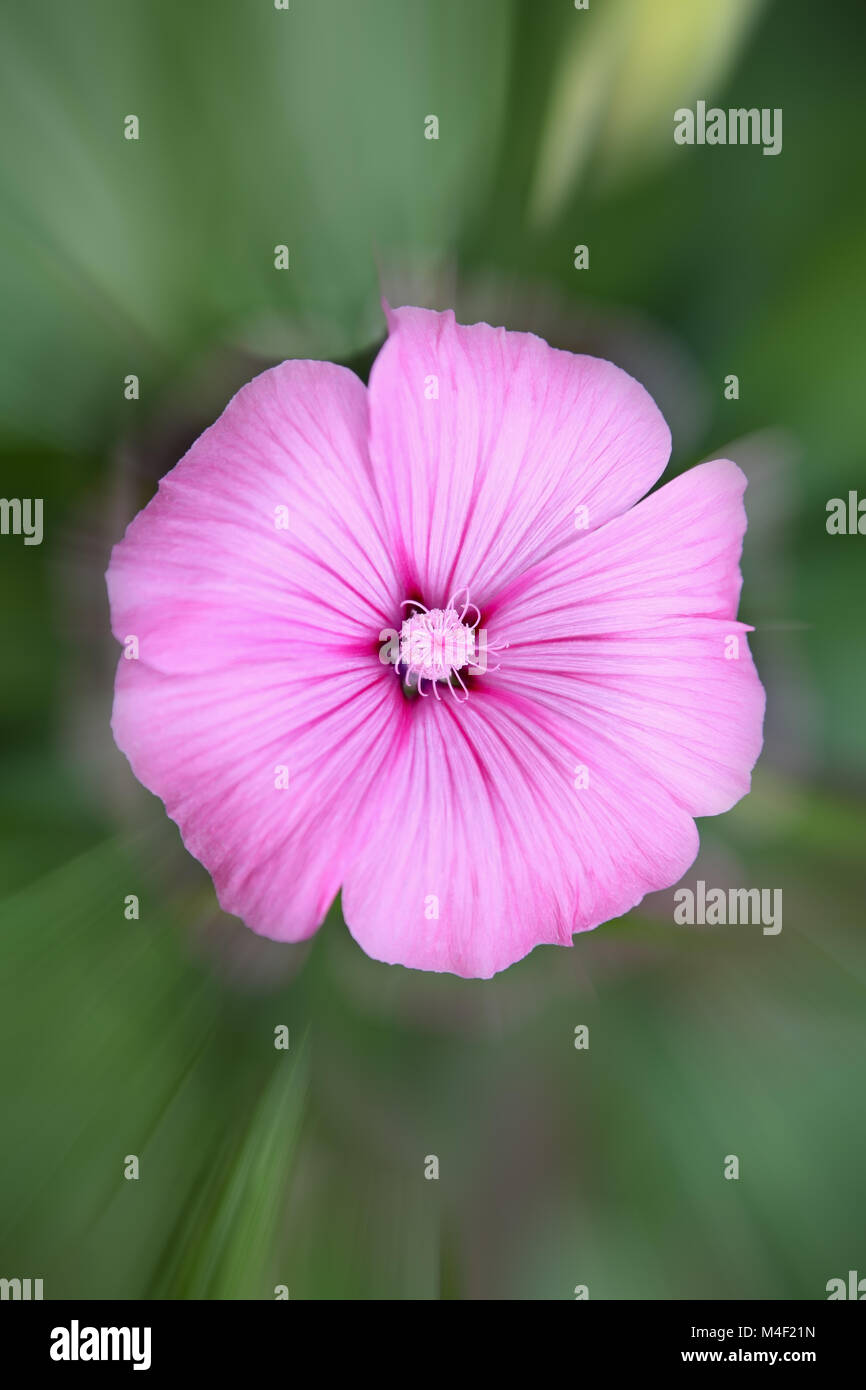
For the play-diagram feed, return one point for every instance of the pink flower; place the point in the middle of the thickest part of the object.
(482, 489)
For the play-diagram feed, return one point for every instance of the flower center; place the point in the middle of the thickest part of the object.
(435, 644)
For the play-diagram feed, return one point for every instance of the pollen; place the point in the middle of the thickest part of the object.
(435, 644)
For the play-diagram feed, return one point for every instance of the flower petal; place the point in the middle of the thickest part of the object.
(481, 847)
(631, 634)
(484, 442)
(212, 573)
(258, 645)
(212, 747)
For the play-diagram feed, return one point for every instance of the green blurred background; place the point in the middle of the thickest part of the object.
(305, 1168)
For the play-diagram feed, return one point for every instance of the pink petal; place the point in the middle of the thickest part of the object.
(210, 746)
(625, 633)
(484, 480)
(258, 646)
(480, 821)
(208, 543)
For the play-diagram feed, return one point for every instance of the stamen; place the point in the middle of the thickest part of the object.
(437, 644)
(434, 645)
